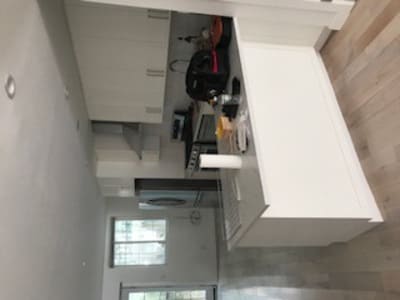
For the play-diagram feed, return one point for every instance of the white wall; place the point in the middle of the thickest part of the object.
(265, 31)
(51, 216)
(54, 18)
(113, 147)
(191, 251)
(111, 141)
(170, 165)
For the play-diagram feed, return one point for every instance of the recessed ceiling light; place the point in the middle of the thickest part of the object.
(11, 87)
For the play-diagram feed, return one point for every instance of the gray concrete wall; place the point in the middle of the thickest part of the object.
(52, 215)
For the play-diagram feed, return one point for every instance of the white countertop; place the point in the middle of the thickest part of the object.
(307, 163)
(300, 152)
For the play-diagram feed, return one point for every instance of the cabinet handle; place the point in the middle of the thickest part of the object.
(157, 14)
(155, 73)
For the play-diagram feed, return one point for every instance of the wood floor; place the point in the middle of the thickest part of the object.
(363, 61)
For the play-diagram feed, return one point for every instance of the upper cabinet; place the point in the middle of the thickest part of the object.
(122, 55)
(322, 13)
(287, 22)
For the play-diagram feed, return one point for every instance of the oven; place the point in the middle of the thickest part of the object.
(202, 140)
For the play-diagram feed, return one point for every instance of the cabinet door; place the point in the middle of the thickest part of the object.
(124, 74)
(118, 22)
(126, 96)
(122, 55)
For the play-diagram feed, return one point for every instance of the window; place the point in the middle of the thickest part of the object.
(169, 293)
(139, 242)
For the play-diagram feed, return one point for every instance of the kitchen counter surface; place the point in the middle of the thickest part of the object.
(301, 165)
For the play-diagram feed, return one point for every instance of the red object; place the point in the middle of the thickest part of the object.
(214, 61)
(217, 30)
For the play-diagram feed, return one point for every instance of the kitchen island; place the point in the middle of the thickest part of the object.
(301, 183)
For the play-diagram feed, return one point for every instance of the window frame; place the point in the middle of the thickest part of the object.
(211, 290)
(113, 242)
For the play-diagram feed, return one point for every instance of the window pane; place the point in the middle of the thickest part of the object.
(148, 296)
(188, 295)
(170, 295)
(139, 230)
(136, 296)
(139, 254)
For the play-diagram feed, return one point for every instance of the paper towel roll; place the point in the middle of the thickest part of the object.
(220, 161)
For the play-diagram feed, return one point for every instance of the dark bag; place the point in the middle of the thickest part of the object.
(207, 74)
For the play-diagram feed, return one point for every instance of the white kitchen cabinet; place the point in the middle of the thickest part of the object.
(122, 54)
(301, 183)
(312, 12)
(289, 22)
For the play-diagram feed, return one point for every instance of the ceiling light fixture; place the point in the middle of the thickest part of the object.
(11, 87)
